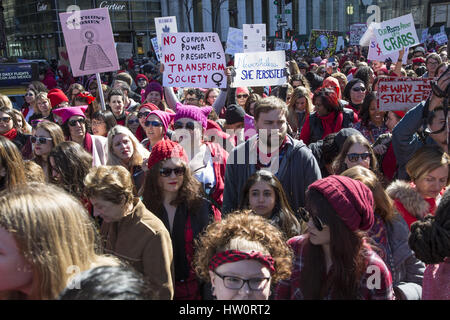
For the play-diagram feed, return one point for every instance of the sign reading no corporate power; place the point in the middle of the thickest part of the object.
(260, 69)
(193, 60)
(395, 34)
(399, 94)
(89, 41)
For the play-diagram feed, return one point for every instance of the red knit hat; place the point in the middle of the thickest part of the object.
(164, 150)
(141, 76)
(401, 114)
(351, 199)
(56, 96)
(148, 105)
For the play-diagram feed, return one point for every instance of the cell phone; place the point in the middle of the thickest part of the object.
(331, 63)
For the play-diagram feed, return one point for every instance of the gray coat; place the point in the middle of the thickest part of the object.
(297, 170)
(405, 141)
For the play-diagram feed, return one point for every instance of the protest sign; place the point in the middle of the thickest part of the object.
(424, 35)
(259, 69)
(399, 94)
(89, 41)
(442, 30)
(340, 44)
(375, 53)
(280, 45)
(441, 38)
(193, 60)
(294, 45)
(234, 41)
(395, 34)
(156, 48)
(254, 37)
(322, 42)
(18, 74)
(165, 25)
(356, 33)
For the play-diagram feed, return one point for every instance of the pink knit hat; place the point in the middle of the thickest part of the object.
(194, 113)
(154, 86)
(240, 90)
(166, 118)
(67, 112)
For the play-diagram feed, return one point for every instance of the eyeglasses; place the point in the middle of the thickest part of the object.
(235, 283)
(153, 123)
(433, 63)
(358, 89)
(353, 157)
(73, 123)
(97, 123)
(143, 114)
(5, 119)
(41, 140)
(133, 121)
(167, 172)
(30, 94)
(191, 100)
(179, 125)
(242, 96)
(305, 215)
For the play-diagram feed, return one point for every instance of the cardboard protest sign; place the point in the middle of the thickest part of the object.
(259, 69)
(156, 48)
(356, 33)
(193, 60)
(165, 25)
(254, 37)
(395, 34)
(234, 41)
(375, 53)
(322, 42)
(89, 41)
(399, 94)
(441, 38)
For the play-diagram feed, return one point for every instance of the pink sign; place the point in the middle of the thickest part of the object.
(89, 41)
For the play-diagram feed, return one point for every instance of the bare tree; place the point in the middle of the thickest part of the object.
(189, 7)
(215, 7)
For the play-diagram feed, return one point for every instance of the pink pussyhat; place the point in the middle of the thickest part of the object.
(67, 112)
(165, 117)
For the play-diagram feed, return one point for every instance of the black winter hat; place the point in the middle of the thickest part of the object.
(234, 114)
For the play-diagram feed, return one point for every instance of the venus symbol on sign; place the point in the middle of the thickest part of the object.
(217, 78)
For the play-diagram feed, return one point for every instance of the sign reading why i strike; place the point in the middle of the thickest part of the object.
(193, 60)
(259, 69)
(395, 34)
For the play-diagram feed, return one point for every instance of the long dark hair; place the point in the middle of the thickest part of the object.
(289, 224)
(107, 116)
(329, 99)
(349, 86)
(364, 113)
(346, 246)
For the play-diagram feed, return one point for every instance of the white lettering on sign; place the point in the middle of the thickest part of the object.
(112, 6)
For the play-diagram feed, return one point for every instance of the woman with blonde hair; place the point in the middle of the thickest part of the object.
(243, 256)
(300, 106)
(46, 236)
(22, 125)
(429, 173)
(12, 170)
(125, 150)
(43, 108)
(390, 233)
(5, 101)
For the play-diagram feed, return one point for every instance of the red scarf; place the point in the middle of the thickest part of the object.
(330, 125)
(11, 134)
(88, 143)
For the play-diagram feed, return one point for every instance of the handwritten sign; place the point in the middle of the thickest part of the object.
(399, 94)
(322, 42)
(193, 60)
(395, 34)
(441, 38)
(375, 53)
(156, 48)
(165, 25)
(280, 45)
(356, 33)
(254, 37)
(234, 41)
(259, 69)
(89, 41)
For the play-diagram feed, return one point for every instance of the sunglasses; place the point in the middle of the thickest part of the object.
(153, 123)
(167, 172)
(5, 119)
(179, 125)
(133, 121)
(29, 94)
(305, 215)
(358, 89)
(353, 157)
(73, 123)
(242, 96)
(41, 140)
(143, 114)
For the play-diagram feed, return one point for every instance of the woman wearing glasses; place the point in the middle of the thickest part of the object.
(355, 92)
(29, 106)
(132, 121)
(243, 257)
(101, 122)
(156, 127)
(173, 194)
(332, 260)
(143, 112)
(356, 151)
(74, 128)
(207, 160)
(9, 129)
(47, 135)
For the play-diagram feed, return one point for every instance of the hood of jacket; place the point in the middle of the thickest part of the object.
(408, 196)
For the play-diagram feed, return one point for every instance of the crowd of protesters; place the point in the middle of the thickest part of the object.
(301, 191)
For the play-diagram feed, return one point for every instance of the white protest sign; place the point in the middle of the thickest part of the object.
(424, 35)
(193, 60)
(395, 34)
(340, 44)
(156, 48)
(402, 93)
(356, 33)
(254, 37)
(165, 25)
(234, 41)
(375, 53)
(294, 46)
(259, 69)
(441, 38)
(280, 45)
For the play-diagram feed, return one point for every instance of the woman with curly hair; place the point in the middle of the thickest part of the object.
(243, 257)
(173, 194)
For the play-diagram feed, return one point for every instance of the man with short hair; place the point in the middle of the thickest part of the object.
(271, 149)
(129, 104)
(193, 97)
